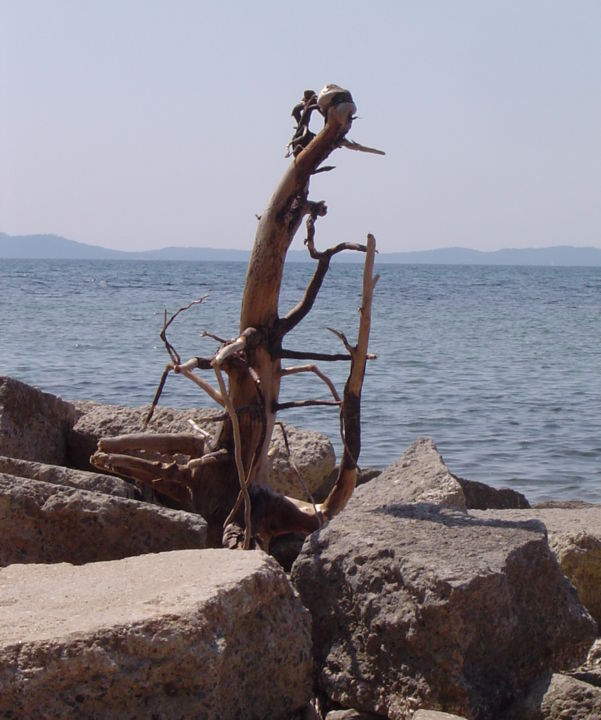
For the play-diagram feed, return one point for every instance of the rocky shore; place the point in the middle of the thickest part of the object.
(429, 597)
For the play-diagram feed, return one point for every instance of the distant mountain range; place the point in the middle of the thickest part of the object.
(55, 247)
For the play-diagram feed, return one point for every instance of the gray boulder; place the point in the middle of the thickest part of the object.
(575, 538)
(590, 670)
(45, 523)
(417, 605)
(33, 424)
(559, 697)
(58, 475)
(480, 496)
(350, 715)
(435, 715)
(419, 475)
(311, 452)
(188, 635)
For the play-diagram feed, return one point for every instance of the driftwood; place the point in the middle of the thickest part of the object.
(226, 478)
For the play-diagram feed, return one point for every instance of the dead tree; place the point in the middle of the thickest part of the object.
(226, 479)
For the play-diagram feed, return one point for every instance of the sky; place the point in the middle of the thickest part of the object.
(141, 124)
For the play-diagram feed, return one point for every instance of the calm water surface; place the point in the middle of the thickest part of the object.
(501, 366)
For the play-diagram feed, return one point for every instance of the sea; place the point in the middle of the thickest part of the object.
(500, 366)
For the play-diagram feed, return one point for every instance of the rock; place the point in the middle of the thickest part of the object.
(435, 715)
(419, 475)
(559, 697)
(312, 452)
(483, 497)
(350, 715)
(364, 475)
(33, 424)
(45, 523)
(590, 670)
(565, 504)
(286, 548)
(190, 634)
(575, 538)
(58, 475)
(423, 606)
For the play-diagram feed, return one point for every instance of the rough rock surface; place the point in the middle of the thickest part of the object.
(58, 475)
(350, 715)
(575, 538)
(560, 697)
(45, 523)
(590, 671)
(418, 605)
(435, 715)
(33, 424)
(171, 635)
(480, 496)
(419, 475)
(312, 452)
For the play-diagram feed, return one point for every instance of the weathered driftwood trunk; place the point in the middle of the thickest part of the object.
(228, 482)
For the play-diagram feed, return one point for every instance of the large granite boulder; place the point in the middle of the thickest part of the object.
(419, 475)
(210, 634)
(350, 714)
(435, 715)
(46, 523)
(311, 452)
(559, 697)
(33, 424)
(422, 606)
(480, 496)
(575, 538)
(590, 670)
(59, 475)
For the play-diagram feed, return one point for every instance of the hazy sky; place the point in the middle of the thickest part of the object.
(137, 124)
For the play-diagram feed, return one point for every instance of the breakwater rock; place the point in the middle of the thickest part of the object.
(430, 597)
(416, 603)
(211, 634)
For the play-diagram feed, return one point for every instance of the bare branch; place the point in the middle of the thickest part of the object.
(173, 354)
(229, 349)
(162, 443)
(301, 355)
(169, 478)
(157, 395)
(206, 333)
(314, 369)
(304, 403)
(342, 337)
(198, 429)
(212, 457)
(237, 453)
(351, 406)
(301, 310)
(204, 385)
(352, 145)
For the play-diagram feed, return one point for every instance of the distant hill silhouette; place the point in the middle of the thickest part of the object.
(55, 247)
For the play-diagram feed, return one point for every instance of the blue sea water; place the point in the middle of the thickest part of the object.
(501, 366)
